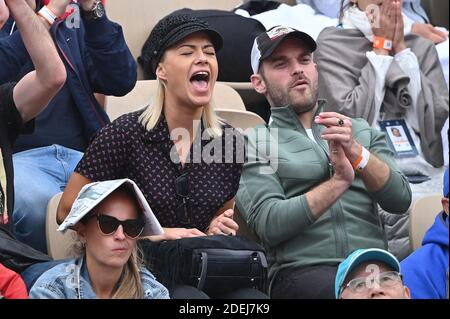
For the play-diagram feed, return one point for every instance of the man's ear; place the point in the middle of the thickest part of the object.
(258, 83)
(444, 202)
(161, 72)
(407, 292)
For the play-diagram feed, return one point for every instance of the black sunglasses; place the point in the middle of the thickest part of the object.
(182, 190)
(131, 227)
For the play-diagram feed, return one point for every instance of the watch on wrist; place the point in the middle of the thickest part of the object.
(97, 11)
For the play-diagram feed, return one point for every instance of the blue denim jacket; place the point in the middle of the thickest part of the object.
(70, 280)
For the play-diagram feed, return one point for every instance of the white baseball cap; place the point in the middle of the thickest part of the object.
(268, 41)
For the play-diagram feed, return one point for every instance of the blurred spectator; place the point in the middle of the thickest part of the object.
(11, 285)
(300, 17)
(304, 199)
(97, 59)
(329, 8)
(108, 266)
(415, 20)
(414, 10)
(370, 274)
(426, 269)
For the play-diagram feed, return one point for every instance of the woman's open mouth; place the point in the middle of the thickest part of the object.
(200, 81)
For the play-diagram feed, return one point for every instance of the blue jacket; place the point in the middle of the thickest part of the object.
(70, 280)
(97, 59)
(425, 271)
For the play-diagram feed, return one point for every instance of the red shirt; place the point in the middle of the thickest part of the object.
(11, 284)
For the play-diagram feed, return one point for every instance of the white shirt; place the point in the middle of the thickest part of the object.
(310, 134)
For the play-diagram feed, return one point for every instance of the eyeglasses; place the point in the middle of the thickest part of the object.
(182, 190)
(131, 227)
(385, 280)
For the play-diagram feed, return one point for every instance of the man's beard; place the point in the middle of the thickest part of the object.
(303, 105)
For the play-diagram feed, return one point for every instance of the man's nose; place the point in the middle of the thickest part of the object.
(376, 290)
(297, 70)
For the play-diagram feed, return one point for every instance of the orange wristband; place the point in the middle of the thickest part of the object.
(359, 159)
(382, 43)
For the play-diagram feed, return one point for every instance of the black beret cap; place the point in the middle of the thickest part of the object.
(168, 31)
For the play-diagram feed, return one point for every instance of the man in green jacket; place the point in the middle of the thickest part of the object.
(312, 180)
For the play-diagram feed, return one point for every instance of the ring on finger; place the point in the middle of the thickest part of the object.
(341, 122)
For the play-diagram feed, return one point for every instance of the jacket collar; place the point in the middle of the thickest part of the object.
(285, 116)
(83, 287)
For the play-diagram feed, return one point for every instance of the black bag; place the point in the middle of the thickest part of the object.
(16, 255)
(214, 264)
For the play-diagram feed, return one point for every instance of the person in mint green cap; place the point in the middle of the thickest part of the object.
(370, 274)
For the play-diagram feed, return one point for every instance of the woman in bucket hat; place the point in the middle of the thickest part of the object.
(108, 218)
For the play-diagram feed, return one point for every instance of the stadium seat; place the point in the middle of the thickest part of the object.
(240, 119)
(254, 102)
(138, 98)
(224, 97)
(58, 244)
(422, 216)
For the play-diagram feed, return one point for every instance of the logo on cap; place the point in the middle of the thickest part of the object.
(278, 32)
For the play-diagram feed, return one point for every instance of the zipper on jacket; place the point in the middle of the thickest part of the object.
(341, 245)
(66, 58)
(323, 147)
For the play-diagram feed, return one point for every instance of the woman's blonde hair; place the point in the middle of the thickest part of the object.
(151, 115)
(130, 285)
